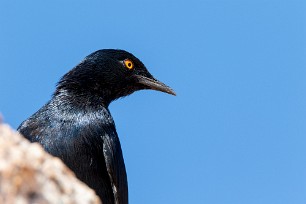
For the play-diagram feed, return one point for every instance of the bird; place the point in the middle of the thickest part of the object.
(76, 125)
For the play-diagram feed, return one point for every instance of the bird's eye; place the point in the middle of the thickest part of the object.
(128, 63)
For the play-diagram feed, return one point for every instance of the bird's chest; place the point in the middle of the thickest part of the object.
(82, 150)
(79, 138)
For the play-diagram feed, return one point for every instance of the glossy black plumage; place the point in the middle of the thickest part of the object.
(76, 125)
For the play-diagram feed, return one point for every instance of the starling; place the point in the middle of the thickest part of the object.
(76, 124)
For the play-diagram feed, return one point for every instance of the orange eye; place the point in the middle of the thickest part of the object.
(128, 64)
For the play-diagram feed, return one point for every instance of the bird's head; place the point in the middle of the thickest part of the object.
(110, 74)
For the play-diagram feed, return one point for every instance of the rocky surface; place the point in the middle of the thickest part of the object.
(29, 175)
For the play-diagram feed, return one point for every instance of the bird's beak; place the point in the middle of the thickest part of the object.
(154, 84)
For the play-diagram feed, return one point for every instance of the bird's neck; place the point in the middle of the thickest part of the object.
(78, 95)
(80, 108)
(81, 100)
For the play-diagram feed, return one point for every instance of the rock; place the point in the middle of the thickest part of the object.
(30, 175)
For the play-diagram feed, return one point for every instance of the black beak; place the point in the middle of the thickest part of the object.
(154, 84)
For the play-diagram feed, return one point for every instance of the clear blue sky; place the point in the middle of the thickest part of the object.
(235, 133)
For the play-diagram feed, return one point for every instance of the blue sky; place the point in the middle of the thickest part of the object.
(236, 131)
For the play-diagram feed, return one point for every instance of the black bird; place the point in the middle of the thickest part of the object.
(76, 125)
